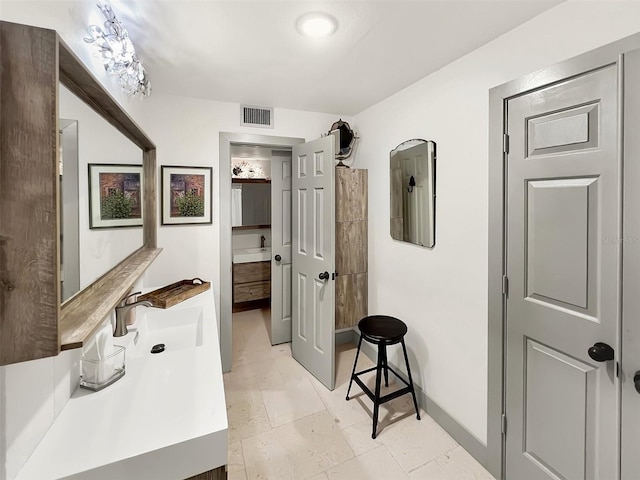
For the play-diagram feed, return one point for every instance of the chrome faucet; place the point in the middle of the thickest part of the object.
(262, 239)
(121, 316)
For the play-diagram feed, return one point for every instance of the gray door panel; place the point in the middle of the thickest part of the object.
(630, 242)
(281, 241)
(562, 206)
(560, 225)
(313, 253)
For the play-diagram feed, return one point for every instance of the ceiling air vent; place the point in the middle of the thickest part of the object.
(251, 116)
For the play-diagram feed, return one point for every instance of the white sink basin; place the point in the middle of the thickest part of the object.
(245, 255)
(177, 329)
(170, 405)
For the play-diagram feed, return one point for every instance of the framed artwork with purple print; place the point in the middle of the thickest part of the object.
(186, 195)
(115, 195)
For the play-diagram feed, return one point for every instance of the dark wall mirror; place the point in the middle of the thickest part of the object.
(347, 140)
(250, 202)
(413, 192)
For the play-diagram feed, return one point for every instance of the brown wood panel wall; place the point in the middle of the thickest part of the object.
(351, 193)
(351, 246)
(351, 299)
(352, 253)
(29, 237)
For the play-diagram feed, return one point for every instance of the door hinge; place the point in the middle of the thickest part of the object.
(503, 424)
(505, 286)
(505, 143)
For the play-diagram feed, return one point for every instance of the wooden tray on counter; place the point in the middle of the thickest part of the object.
(167, 297)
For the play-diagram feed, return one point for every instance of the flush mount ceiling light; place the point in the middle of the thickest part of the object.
(317, 24)
(118, 54)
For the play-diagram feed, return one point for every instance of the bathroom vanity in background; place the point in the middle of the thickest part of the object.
(251, 281)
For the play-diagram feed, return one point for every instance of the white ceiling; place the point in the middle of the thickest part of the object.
(250, 51)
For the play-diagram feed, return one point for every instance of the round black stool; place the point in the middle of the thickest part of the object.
(382, 330)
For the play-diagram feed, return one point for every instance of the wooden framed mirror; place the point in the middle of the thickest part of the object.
(33, 323)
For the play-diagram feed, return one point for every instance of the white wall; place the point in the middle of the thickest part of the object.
(34, 395)
(442, 293)
(186, 132)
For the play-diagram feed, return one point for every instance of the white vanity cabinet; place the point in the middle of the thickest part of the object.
(166, 419)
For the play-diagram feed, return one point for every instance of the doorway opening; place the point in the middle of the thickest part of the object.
(306, 237)
(260, 219)
(250, 149)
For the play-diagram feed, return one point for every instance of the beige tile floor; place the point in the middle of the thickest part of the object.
(285, 425)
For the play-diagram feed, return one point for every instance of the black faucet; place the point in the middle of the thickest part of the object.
(262, 239)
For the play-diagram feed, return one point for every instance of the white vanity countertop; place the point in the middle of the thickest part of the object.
(247, 255)
(165, 419)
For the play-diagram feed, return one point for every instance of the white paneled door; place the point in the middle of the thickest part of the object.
(563, 269)
(630, 242)
(281, 241)
(313, 257)
(416, 165)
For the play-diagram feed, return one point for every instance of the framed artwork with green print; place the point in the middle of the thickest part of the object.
(186, 195)
(115, 195)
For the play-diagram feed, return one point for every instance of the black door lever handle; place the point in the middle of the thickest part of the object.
(601, 352)
(636, 381)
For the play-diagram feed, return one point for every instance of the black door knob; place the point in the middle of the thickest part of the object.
(278, 258)
(601, 352)
(636, 381)
(324, 276)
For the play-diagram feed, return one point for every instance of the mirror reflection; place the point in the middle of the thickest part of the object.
(87, 138)
(250, 202)
(413, 192)
(69, 214)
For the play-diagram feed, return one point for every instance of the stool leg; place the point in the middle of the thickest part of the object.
(383, 346)
(413, 390)
(376, 397)
(355, 363)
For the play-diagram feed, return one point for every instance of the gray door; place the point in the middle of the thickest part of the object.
(630, 243)
(563, 270)
(313, 257)
(280, 247)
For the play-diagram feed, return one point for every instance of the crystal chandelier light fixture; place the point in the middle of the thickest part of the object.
(118, 54)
